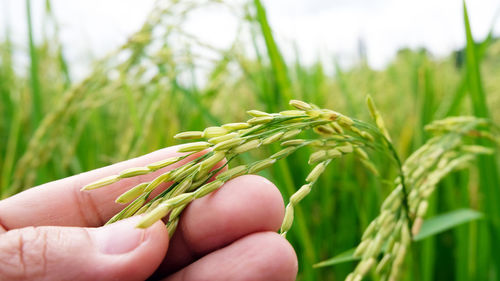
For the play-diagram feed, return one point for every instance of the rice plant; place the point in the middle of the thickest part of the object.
(401, 215)
(53, 126)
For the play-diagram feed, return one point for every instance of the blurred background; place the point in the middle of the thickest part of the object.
(84, 84)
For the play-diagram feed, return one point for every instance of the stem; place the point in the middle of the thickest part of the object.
(395, 156)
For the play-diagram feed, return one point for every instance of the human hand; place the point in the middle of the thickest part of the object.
(55, 232)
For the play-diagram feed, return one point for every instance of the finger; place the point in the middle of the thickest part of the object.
(259, 256)
(114, 252)
(62, 203)
(242, 206)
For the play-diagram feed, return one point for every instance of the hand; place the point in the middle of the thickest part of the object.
(54, 232)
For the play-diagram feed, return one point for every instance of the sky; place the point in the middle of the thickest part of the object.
(384, 25)
(320, 29)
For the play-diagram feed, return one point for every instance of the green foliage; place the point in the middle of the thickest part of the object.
(136, 98)
(441, 223)
(346, 256)
(431, 227)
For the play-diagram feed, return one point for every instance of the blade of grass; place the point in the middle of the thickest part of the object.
(451, 106)
(443, 222)
(430, 227)
(488, 170)
(344, 89)
(34, 74)
(277, 62)
(474, 80)
(11, 149)
(345, 256)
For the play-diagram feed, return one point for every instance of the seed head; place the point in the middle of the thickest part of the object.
(222, 138)
(290, 134)
(361, 153)
(293, 142)
(189, 135)
(258, 113)
(228, 144)
(383, 263)
(132, 193)
(211, 161)
(337, 128)
(209, 187)
(155, 215)
(157, 181)
(261, 165)
(181, 172)
(212, 132)
(346, 148)
(284, 152)
(329, 114)
(134, 207)
(235, 126)
(300, 194)
(194, 146)
(232, 173)
(272, 138)
(417, 225)
(163, 163)
(361, 248)
(316, 172)
(260, 120)
(288, 219)
(132, 172)
(300, 105)
(365, 265)
(178, 200)
(293, 113)
(422, 208)
(345, 121)
(182, 186)
(317, 157)
(324, 130)
(102, 182)
(246, 146)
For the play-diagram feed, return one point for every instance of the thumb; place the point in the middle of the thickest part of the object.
(115, 252)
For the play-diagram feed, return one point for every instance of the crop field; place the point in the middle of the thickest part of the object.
(138, 97)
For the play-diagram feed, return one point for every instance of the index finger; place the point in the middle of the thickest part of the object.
(62, 203)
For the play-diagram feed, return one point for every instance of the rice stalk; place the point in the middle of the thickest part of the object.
(402, 213)
(127, 65)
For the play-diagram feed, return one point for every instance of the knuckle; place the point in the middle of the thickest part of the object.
(23, 254)
(87, 208)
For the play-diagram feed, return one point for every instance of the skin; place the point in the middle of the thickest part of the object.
(55, 232)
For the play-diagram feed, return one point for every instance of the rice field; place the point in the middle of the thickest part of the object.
(138, 97)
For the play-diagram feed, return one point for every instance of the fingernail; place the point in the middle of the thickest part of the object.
(120, 237)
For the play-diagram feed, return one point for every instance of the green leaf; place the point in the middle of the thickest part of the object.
(474, 77)
(489, 180)
(446, 221)
(430, 227)
(278, 65)
(346, 256)
(34, 70)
